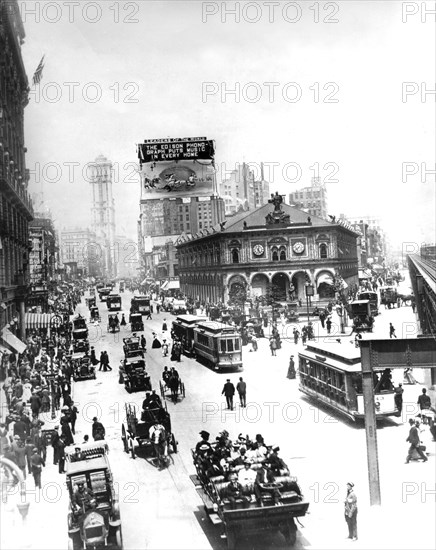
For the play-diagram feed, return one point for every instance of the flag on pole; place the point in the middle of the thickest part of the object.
(38, 73)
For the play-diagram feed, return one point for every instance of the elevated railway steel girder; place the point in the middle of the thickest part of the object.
(423, 279)
(389, 354)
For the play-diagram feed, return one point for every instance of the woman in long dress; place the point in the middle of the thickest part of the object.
(156, 343)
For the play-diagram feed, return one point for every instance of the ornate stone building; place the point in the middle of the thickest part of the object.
(16, 209)
(262, 250)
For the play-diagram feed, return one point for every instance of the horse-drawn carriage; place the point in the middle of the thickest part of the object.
(136, 322)
(173, 384)
(152, 430)
(132, 347)
(389, 297)
(90, 302)
(94, 314)
(133, 375)
(360, 312)
(113, 324)
(94, 513)
(83, 369)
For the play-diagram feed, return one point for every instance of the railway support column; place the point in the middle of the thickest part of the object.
(370, 425)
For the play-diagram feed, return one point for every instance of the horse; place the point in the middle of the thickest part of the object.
(405, 298)
(159, 439)
(173, 384)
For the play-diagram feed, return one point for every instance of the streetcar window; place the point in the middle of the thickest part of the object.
(236, 344)
(223, 346)
(204, 340)
(229, 345)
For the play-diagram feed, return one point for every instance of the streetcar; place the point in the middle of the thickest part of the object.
(183, 328)
(218, 345)
(373, 298)
(103, 293)
(332, 374)
(113, 302)
(141, 304)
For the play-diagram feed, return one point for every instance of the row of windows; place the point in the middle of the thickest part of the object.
(278, 254)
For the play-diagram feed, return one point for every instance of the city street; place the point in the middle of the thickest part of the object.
(323, 450)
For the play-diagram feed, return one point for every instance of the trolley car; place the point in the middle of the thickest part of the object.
(141, 304)
(183, 328)
(218, 345)
(332, 374)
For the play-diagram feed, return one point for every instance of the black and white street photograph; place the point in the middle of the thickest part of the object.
(217, 275)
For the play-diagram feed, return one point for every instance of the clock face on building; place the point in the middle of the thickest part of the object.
(258, 250)
(298, 248)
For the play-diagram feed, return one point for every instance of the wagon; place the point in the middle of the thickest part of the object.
(132, 347)
(172, 387)
(83, 369)
(94, 314)
(138, 430)
(133, 375)
(255, 518)
(112, 324)
(97, 522)
(136, 322)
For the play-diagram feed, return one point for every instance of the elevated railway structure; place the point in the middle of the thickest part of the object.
(423, 278)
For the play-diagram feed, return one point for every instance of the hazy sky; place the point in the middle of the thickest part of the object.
(175, 50)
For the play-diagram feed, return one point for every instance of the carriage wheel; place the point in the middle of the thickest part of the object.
(119, 537)
(132, 448)
(174, 443)
(124, 438)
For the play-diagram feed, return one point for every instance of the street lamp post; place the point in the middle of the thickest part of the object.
(309, 293)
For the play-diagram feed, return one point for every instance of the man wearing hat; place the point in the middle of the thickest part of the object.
(83, 498)
(98, 430)
(19, 449)
(229, 392)
(203, 446)
(263, 476)
(276, 462)
(36, 463)
(351, 511)
(234, 493)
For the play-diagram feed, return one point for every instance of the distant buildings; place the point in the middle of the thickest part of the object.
(81, 253)
(312, 200)
(373, 243)
(43, 260)
(126, 257)
(103, 212)
(242, 191)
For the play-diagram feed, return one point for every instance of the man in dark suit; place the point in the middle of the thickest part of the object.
(263, 476)
(414, 441)
(234, 493)
(229, 392)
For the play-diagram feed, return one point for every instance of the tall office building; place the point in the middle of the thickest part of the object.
(103, 212)
(312, 199)
(242, 191)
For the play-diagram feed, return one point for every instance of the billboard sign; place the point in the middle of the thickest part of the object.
(179, 167)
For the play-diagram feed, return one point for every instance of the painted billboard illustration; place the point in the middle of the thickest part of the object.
(177, 167)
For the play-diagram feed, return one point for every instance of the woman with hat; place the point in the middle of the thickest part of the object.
(351, 511)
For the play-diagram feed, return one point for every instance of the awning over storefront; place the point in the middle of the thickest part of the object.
(173, 285)
(12, 341)
(324, 278)
(164, 285)
(365, 274)
(38, 320)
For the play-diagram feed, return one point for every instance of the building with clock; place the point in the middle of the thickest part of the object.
(266, 250)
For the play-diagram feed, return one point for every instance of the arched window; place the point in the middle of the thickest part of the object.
(235, 256)
(323, 250)
(275, 254)
(282, 253)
